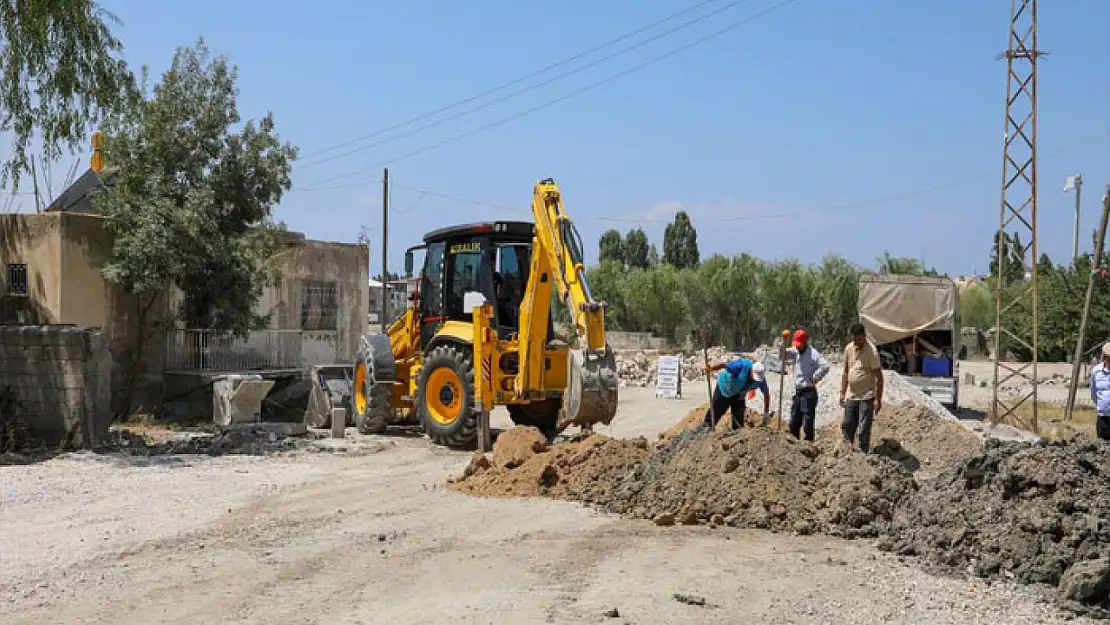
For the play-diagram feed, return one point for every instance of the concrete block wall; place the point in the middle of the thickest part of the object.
(61, 378)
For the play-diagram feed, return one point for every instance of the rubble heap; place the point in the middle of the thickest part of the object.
(250, 440)
(1036, 513)
(640, 369)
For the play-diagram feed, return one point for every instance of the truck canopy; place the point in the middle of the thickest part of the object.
(893, 307)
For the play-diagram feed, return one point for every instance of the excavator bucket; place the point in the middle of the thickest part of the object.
(591, 393)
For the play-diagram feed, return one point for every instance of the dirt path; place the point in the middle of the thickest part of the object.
(321, 538)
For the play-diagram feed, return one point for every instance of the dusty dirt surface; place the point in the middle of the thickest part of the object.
(338, 538)
(1026, 512)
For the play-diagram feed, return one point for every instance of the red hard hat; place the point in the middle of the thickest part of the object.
(801, 337)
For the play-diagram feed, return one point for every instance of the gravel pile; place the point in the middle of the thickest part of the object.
(1033, 513)
(896, 391)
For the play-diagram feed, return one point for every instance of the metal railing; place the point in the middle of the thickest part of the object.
(208, 350)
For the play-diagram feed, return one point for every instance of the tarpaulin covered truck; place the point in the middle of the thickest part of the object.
(914, 321)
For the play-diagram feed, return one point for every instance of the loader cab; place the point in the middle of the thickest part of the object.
(472, 264)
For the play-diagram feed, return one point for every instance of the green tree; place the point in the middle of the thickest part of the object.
(1014, 254)
(657, 294)
(610, 248)
(837, 292)
(903, 265)
(192, 202)
(60, 73)
(786, 294)
(680, 242)
(977, 308)
(605, 284)
(636, 251)
(653, 255)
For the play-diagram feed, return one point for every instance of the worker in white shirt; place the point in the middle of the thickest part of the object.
(1100, 394)
(810, 367)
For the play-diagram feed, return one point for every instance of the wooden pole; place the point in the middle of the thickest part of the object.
(385, 250)
(1095, 264)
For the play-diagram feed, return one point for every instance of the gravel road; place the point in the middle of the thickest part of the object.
(377, 538)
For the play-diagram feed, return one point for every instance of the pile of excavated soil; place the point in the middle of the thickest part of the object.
(1035, 513)
(913, 436)
(761, 478)
(696, 417)
(755, 477)
(524, 466)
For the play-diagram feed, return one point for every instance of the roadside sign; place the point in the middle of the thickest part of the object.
(668, 377)
(97, 141)
(96, 162)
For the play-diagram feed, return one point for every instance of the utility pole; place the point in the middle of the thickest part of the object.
(385, 249)
(1095, 264)
(1075, 182)
(1019, 209)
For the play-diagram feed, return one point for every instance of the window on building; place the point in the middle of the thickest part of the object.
(17, 279)
(319, 305)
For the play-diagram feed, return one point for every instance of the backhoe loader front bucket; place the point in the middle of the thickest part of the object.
(591, 393)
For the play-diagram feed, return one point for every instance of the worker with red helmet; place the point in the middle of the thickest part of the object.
(810, 367)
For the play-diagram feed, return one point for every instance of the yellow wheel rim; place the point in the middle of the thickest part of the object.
(443, 394)
(360, 388)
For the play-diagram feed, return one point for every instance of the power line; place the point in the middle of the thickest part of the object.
(515, 81)
(551, 103)
(808, 213)
(519, 92)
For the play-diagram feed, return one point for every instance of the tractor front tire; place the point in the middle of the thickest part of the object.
(445, 397)
(372, 387)
(542, 415)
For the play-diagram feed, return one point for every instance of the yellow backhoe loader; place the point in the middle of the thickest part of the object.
(479, 333)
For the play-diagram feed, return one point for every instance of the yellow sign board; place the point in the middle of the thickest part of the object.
(96, 163)
(97, 141)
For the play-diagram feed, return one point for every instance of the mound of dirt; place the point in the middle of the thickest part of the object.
(1036, 513)
(915, 437)
(761, 478)
(696, 417)
(578, 470)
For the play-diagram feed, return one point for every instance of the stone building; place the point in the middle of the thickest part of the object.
(50, 273)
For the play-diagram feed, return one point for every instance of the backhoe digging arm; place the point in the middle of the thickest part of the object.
(558, 262)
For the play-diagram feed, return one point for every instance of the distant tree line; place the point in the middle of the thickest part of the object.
(743, 301)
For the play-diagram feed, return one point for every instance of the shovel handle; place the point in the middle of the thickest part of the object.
(708, 382)
(782, 376)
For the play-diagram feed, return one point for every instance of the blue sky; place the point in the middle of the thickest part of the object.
(815, 106)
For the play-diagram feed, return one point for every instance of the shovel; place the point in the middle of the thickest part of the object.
(708, 382)
(782, 377)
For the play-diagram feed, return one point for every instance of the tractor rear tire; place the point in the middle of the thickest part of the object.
(542, 415)
(445, 397)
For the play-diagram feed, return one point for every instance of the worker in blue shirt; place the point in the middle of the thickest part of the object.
(1100, 394)
(735, 379)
